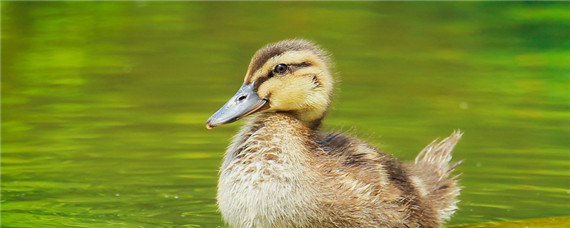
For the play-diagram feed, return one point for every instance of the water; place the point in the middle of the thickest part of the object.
(104, 103)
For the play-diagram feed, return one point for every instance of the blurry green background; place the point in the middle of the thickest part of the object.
(104, 103)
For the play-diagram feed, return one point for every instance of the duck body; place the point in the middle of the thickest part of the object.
(281, 171)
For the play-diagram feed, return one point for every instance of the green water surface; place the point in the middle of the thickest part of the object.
(104, 103)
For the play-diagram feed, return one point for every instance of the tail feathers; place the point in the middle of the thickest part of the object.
(431, 171)
(438, 155)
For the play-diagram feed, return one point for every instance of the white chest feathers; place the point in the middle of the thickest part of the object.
(265, 181)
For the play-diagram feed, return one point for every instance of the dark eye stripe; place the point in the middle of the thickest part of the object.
(260, 81)
(299, 65)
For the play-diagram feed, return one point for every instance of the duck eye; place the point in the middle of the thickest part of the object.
(281, 68)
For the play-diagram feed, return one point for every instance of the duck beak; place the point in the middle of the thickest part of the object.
(243, 103)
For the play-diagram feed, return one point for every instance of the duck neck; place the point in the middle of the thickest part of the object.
(311, 119)
(291, 122)
(274, 130)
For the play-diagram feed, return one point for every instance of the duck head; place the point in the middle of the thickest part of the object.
(290, 76)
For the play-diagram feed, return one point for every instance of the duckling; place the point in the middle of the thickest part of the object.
(281, 171)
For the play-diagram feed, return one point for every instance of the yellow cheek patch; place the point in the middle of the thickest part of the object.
(287, 93)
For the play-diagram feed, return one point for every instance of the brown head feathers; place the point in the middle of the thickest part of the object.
(279, 48)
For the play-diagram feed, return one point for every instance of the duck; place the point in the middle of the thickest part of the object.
(280, 170)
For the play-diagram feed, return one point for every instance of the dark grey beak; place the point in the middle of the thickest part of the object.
(243, 103)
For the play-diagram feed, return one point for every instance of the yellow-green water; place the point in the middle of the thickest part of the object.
(104, 103)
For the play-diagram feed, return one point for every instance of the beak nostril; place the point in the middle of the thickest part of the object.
(242, 97)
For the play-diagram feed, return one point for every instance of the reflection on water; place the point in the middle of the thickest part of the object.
(104, 103)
